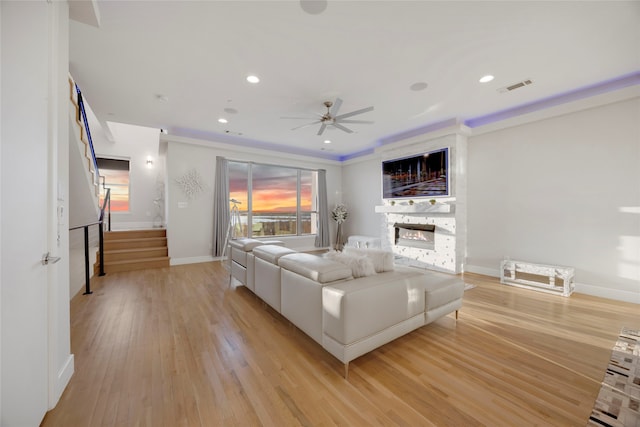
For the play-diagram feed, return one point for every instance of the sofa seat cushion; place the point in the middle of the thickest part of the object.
(271, 253)
(382, 259)
(361, 308)
(314, 267)
(441, 289)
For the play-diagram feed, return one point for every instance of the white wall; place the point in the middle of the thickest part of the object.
(190, 222)
(566, 191)
(1, 210)
(361, 193)
(35, 303)
(136, 144)
(61, 362)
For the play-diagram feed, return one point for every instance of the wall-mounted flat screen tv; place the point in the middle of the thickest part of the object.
(423, 175)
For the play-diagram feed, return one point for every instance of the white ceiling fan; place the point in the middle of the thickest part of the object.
(331, 117)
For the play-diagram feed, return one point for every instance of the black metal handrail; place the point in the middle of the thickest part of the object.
(82, 115)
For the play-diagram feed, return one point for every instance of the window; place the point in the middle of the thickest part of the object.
(274, 200)
(115, 174)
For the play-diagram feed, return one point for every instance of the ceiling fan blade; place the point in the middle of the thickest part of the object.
(353, 113)
(339, 126)
(322, 128)
(368, 122)
(306, 125)
(335, 107)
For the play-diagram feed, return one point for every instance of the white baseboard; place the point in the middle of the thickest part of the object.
(192, 260)
(62, 379)
(482, 270)
(615, 294)
(596, 291)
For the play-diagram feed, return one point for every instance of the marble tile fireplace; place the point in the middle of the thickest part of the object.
(423, 232)
(421, 236)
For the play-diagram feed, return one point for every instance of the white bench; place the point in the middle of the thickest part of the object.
(553, 279)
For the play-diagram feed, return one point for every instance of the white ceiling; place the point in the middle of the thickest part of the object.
(196, 55)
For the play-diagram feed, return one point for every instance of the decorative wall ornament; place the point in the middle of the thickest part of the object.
(191, 184)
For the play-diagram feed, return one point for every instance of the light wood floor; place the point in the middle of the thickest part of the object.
(179, 347)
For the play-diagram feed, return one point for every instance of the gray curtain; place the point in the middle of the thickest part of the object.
(323, 240)
(220, 207)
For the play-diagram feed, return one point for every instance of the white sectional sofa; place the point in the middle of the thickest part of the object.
(348, 316)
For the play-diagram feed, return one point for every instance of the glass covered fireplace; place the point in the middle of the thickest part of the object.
(415, 235)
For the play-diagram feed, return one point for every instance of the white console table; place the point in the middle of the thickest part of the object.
(546, 278)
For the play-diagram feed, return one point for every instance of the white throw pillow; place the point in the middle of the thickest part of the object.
(382, 260)
(360, 265)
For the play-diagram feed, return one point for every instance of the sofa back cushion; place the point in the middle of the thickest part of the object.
(314, 267)
(271, 253)
(360, 265)
(382, 260)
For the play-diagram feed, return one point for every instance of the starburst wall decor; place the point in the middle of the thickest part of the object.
(191, 184)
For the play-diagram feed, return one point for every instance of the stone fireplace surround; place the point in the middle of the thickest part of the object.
(441, 254)
(447, 215)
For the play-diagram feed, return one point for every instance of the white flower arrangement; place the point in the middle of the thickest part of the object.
(340, 214)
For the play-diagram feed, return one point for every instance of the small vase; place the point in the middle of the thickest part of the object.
(339, 245)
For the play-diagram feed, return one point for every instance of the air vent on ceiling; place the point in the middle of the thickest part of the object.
(515, 86)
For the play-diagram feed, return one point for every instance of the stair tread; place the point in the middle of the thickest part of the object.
(133, 261)
(137, 229)
(133, 230)
(156, 231)
(122, 251)
(136, 239)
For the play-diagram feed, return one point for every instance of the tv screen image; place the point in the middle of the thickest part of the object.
(423, 175)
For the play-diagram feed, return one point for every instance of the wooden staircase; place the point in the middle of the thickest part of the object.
(134, 250)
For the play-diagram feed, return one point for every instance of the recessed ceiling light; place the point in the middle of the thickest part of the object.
(231, 110)
(313, 7)
(486, 79)
(253, 79)
(326, 141)
(221, 120)
(418, 86)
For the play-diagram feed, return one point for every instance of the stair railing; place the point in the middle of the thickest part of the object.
(106, 204)
(82, 115)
